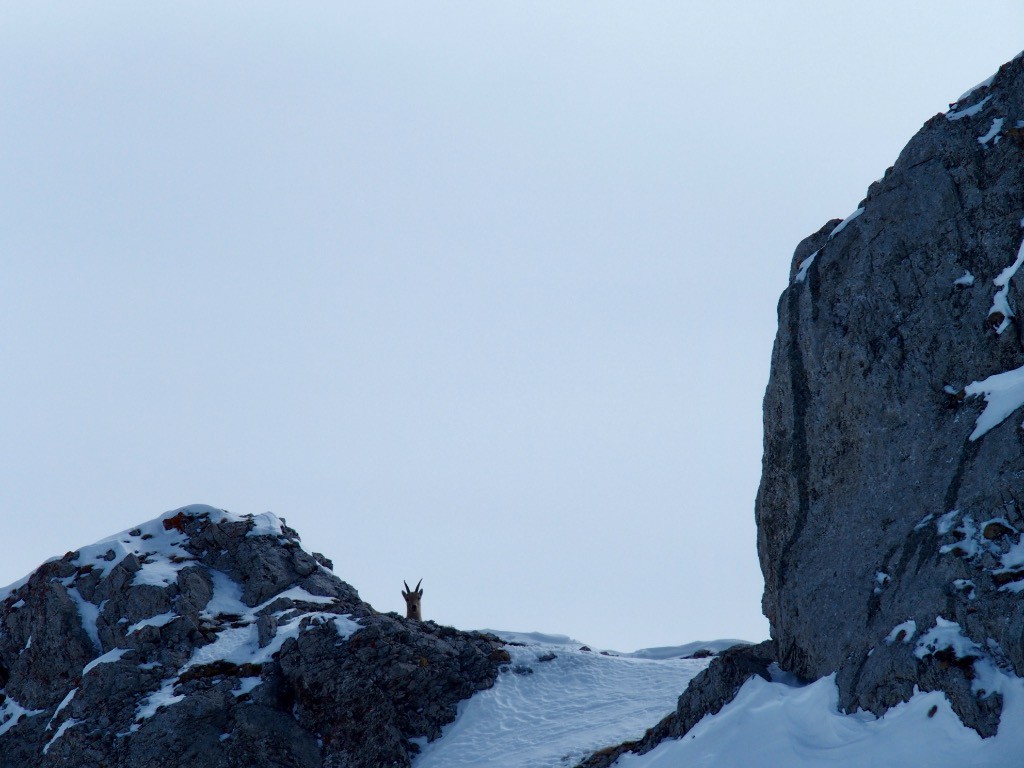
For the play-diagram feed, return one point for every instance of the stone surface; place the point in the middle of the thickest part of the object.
(868, 428)
(889, 515)
(215, 641)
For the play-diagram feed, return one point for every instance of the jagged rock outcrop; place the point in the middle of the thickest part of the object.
(889, 514)
(213, 640)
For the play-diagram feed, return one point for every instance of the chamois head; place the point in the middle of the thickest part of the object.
(412, 601)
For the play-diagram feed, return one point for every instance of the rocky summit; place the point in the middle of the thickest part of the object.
(210, 640)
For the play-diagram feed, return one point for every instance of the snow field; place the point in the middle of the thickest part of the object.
(556, 712)
(779, 724)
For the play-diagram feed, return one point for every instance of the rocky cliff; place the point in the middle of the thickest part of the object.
(210, 640)
(889, 514)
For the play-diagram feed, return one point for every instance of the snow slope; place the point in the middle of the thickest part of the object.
(547, 714)
(779, 724)
(556, 704)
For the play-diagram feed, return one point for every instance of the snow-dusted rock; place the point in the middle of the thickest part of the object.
(209, 639)
(890, 517)
(893, 440)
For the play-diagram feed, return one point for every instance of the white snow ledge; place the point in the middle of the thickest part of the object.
(1003, 393)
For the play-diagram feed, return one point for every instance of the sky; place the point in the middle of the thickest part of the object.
(478, 293)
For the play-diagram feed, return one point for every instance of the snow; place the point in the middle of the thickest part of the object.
(1003, 393)
(241, 645)
(238, 641)
(1011, 562)
(246, 685)
(968, 544)
(967, 587)
(774, 724)
(805, 265)
(553, 713)
(160, 620)
(158, 547)
(966, 279)
(164, 697)
(556, 712)
(944, 635)
(533, 638)
(945, 523)
(969, 111)
(266, 524)
(60, 707)
(983, 84)
(88, 613)
(11, 713)
(931, 515)
(60, 732)
(1001, 301)
(660, 653)
(10, 589)
(107, 658)
(686, 650)
(993, 132)
(908, 628)
(842, 225)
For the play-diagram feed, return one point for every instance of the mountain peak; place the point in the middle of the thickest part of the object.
(220, 635)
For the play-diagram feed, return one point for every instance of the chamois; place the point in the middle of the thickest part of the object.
(412, 601)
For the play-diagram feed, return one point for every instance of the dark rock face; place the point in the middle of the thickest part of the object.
(212, 640)
(886, 496)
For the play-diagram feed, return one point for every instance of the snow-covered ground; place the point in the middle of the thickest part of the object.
(563, 709)
(779, 724)
(557, 704)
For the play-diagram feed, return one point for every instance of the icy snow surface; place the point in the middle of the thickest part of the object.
(60, 732)
(578, 702)
(969, 111)
(776, 724)
(556, 712)
(107, 658)
(983, 84)
(805, 265)
(842, 225)
(1003, 392)
(11, 712)
(993, 132)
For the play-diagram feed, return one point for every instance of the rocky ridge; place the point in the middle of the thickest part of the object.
(209, 639)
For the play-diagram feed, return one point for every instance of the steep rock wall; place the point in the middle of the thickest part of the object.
(890, 508)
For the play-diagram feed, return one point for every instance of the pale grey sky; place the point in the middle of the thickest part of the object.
(479, 293)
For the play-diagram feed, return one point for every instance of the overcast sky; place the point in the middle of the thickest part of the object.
(478, 293)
